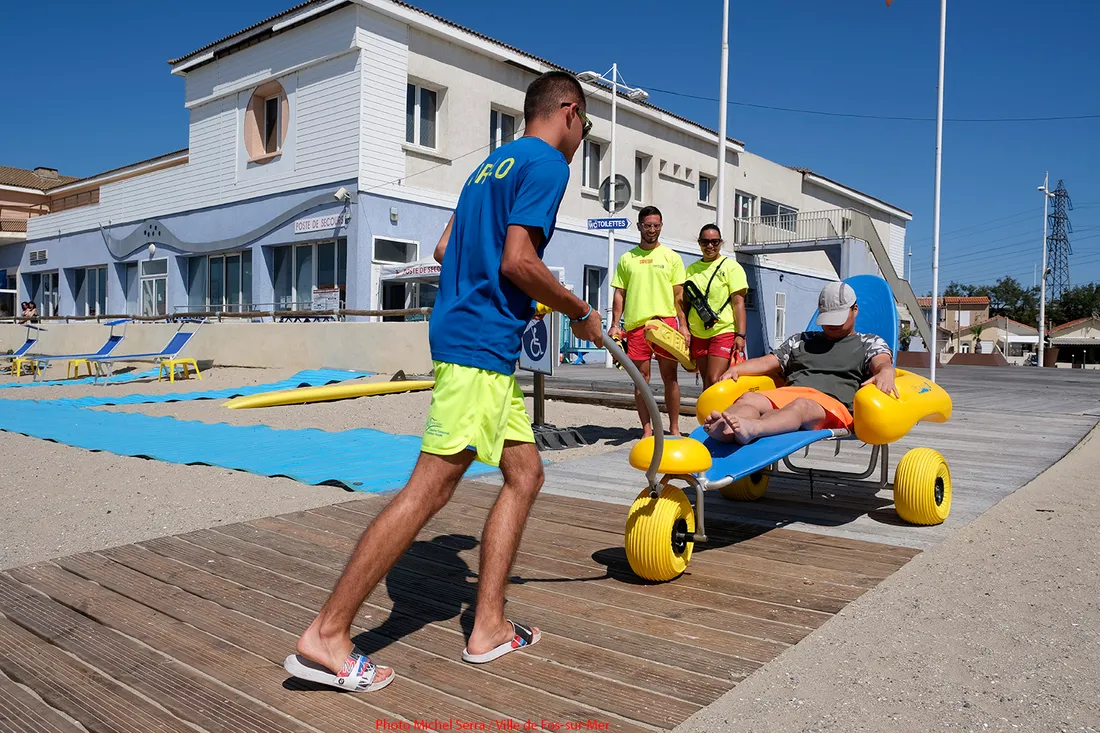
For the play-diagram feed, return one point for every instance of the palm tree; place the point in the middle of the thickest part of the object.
(976, 331)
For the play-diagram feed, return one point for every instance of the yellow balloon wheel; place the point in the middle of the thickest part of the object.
(749, 488)
(657, 530)
(922, 487)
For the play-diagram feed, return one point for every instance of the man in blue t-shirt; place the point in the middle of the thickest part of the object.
(492, 275)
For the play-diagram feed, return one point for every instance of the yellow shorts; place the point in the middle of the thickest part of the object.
(475, 409)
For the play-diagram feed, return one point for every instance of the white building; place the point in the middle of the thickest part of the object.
(397, 106)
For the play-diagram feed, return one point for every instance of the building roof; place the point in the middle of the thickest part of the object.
(261, 28)
(993, 323)
(40, 179)
(1075, 341)
(123, 168)
(807, 171)
(1071, 324)
(926, 302)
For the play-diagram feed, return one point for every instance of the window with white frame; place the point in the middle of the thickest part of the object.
(778, 215)
(780, 317)
(393, 294)
(300, 269)
(420, 115)
(590, 165)
(641, 172)
(742, 213)
(154, 287)
(502, 128)
(91, 291)
(220, 283)
(593, 279)
(46, 293)
(706, 189)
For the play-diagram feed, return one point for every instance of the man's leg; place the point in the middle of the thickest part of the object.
(643, 411)
(327, 641)
(751, 406)
(668, 369)
(523, 477)
(801, 414)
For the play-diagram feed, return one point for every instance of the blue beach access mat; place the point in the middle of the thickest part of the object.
(118, 379)
(359, 460)
(308, 378)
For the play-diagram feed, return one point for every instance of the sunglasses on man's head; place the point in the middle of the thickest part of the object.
(584, 119)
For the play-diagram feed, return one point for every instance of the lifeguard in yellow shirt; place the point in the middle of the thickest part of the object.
(648, 284)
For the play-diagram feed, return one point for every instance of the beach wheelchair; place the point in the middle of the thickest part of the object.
(663, 526)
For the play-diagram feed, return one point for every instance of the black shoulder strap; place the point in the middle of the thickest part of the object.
(706, 295)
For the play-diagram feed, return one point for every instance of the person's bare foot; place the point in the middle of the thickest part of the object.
(331, 653)
(484, 640)
(718, 427)
(744, 429)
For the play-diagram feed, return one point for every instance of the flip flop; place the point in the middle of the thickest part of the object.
(357, 674)
(524, 637)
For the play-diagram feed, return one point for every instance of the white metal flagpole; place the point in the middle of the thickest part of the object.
(934, 352)
(611, 191)
(722, 106)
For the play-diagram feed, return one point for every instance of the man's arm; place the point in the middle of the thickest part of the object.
(618, 302)
(882, 374)
(441, 248)
(737, 301)
(681, 317)
(522, 266)
(767, 365)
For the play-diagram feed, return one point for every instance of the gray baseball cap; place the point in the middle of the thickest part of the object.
(834, 303)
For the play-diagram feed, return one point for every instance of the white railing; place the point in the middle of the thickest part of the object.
(803, 226)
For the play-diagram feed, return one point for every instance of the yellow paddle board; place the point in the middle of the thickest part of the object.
(668, 338)
(306, 395)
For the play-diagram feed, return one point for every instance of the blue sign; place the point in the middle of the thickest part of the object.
(537, 353)
(609, 223)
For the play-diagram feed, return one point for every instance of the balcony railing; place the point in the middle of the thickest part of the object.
(803, 226)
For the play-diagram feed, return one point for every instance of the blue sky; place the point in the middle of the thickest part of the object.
(99, 68)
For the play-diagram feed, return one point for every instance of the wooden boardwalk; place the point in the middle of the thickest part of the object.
(188, 633)
(1009, 425)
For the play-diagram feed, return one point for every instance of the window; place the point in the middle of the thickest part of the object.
(502, 129)
(778, 215)
(750, 300)
(641, 170)
(420, 116)
(266, 121)
(393, 295)
(271, 124)
(780, 317)
(302, 268)
(593, 278)
(590, 165)
(91, 291)
(706, 186)
(131, 287)
(742, 212)
(220, 283)
(154, 287)
(45, 292)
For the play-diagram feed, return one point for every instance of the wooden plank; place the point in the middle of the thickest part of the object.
(619, 586)
(734, 596)
(98, 702)
(21, 712)
(448, 674)
(410, 593)
(436, 562)
(268, 682)
(593, 515)
(178, 688)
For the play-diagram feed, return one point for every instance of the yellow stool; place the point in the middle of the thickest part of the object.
(171, 364)
(19, 362)
(73, 367)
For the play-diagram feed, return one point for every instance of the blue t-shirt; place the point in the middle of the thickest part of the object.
(479, 315)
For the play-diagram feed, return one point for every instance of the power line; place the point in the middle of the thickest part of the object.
(898, 118)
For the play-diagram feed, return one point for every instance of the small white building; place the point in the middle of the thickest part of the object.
(328, 145)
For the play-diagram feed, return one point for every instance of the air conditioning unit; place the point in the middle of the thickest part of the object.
(38, 256)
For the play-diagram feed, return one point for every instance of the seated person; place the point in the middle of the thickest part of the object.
(823, 369)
